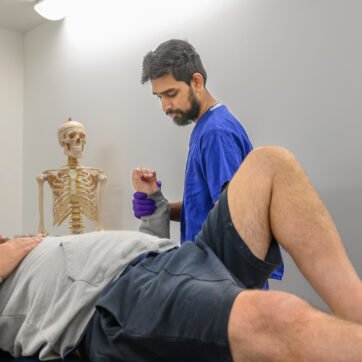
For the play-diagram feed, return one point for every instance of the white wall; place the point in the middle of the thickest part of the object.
(289, 70)
(11, 118)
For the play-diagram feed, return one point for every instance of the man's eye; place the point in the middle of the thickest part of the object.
(171, 95)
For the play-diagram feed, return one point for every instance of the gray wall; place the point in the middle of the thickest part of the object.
(289, 70)
(11, 131)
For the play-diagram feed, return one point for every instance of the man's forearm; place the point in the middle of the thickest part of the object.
(176, 211)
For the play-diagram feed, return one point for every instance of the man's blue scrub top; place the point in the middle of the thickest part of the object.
(218, 145)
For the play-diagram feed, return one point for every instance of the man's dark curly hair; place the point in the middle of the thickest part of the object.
(176, 57)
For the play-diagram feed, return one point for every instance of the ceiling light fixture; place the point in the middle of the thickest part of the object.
(51, 9)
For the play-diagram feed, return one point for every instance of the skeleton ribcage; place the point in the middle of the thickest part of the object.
(85, 196)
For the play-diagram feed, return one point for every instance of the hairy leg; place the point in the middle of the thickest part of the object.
(271, 195)
(276, 326)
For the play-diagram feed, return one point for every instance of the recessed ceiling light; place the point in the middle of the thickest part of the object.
(51, 9)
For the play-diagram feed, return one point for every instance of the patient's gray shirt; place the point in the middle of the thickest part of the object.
(46, 302)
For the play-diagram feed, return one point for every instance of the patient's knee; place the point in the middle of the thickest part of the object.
(259, 322)
(273, 155)
(253, 307)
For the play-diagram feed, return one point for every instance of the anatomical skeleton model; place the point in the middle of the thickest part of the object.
(74, 186)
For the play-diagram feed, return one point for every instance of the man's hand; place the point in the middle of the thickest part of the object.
(14, 251)
(144, 180)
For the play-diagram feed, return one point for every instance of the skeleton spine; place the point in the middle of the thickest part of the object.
(76, 224)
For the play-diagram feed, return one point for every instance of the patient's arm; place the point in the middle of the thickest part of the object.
(14, 251)
(144, 180)
(158, 223)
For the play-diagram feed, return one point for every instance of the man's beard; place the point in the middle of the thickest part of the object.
(185, 118)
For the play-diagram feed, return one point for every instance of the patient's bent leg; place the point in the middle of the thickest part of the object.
(276, 326)
(271, 195)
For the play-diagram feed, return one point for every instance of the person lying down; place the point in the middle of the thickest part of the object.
(138, 296)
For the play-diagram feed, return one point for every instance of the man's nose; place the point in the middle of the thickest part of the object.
(166, 105)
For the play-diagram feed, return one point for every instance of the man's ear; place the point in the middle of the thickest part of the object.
(197, 81)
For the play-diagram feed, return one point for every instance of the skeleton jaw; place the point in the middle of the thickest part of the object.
(76, 151)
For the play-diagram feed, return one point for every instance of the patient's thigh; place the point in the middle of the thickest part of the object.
(249, 196)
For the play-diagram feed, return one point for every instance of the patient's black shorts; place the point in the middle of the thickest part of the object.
(175, 306)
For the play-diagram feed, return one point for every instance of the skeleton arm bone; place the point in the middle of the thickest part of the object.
(102, 180)
(41, 229)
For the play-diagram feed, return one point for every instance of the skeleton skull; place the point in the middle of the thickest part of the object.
(72, 138)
